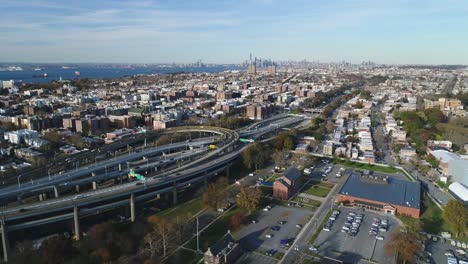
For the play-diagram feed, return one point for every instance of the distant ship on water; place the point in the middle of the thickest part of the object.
(38, 69)
(45, 75)
(77, 73)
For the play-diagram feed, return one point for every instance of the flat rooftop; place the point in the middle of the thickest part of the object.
(383, 189)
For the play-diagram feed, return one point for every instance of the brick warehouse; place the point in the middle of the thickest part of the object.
(382, 193)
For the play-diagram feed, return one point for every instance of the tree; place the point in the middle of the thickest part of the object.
(215, 195)
(366, 95)
(289, 143)
(162, 228)
(237, 220)
(457, 215)
(330, 126)
(151, 244)
(359, 104)
(433, 161)
(405, 244)
(24, 253)
(255, 156)
(249, 198)
(434, 116)
(279, 157)
(57, 249)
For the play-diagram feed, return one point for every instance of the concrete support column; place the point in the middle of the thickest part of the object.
(158, 196)
(120, 166)
(174, 194)
(76, 223)
(56, 192)
(5, 242)
(132, 207)
(77, 188)
(41, 198)
(94, 185)
(205, 181)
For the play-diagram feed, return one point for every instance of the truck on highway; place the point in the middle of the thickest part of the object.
(133, 174)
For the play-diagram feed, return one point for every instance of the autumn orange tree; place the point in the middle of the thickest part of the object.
(405, 243)
(215, 194)
(249, 198)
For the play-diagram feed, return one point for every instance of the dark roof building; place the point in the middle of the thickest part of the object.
(286, 185)
(382, 193)
(292, 174)
(224, 251)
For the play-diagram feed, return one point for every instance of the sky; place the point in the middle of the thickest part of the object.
(217, 31)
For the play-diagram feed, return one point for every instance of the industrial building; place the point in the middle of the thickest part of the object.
(381, 193)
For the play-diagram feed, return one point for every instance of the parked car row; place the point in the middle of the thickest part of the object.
(328, 225)
(378, 226)
(352, 224)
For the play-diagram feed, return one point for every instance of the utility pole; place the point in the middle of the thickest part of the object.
(198, 243)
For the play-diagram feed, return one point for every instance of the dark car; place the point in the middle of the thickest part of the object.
(275, 228)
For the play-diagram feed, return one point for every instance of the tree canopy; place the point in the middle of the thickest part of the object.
(457, 215)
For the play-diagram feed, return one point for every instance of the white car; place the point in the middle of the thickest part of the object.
(379, 237)
(313, 249)
(269, 235)
(266, 209)
(251, 174)
(461, 251)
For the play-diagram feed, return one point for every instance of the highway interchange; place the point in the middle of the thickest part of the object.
(197, 163)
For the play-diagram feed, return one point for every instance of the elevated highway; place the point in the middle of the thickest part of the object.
(83, 204)
(271, 127)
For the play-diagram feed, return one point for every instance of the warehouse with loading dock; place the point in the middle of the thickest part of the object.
(381, 193)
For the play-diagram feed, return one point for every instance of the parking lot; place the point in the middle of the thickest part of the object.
(253, 236)
(257, 258)
(318, 172)
(362, 246)
(439, 247)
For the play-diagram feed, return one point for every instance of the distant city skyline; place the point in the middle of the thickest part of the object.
(145, 31)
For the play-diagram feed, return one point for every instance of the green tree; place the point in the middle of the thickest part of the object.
(255, 156)
(434, 116)
(366, 95)
(289, 143)
(456, 214)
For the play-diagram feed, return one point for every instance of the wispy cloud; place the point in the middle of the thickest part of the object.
(209, 26)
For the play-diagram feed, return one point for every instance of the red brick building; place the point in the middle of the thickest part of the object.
(382, 193)
(286, 185)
